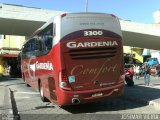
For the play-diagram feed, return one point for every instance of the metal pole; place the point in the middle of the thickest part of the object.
(86, 6)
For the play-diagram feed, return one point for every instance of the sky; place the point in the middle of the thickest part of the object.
(133, 10)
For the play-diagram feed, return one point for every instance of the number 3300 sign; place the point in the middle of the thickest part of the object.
(93, 33)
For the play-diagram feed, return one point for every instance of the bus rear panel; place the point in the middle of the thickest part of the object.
(91, 59)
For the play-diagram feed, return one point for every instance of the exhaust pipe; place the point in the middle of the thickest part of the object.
(75, 101)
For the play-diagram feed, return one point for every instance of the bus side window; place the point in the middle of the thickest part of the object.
(40, 48)
(26, 50)
(31, 49)
(48, 37)
(39, 45)
(42, 43)
(33, 45)
(48, 42)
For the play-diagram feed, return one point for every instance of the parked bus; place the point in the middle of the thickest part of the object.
(75, 58)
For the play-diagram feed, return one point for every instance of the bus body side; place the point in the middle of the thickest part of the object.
(85, 63)
(37, 63)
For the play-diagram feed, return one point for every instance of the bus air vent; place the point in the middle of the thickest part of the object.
(92, 53)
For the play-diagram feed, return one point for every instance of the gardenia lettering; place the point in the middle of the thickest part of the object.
(91, 44)
(45, 66)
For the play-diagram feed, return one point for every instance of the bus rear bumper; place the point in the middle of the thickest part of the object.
(78, 97)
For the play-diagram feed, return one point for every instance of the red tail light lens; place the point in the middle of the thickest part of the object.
(63, 81)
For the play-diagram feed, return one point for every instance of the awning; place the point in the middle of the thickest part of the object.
(9, 55)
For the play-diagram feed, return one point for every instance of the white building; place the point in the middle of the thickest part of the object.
(156, 16)
(155, 54)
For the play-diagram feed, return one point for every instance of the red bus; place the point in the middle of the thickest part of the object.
(75, 58)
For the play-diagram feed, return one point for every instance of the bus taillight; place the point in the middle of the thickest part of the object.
(63, 81)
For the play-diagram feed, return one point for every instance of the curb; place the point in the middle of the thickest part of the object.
(14, 106)
(155, 104)
(7, 112)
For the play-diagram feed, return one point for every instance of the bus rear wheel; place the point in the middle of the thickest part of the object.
(25, 81)
(43, 98)
(27, 85)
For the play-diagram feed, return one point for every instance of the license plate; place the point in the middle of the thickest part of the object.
(97, 94)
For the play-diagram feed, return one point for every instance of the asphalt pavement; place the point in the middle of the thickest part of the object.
(148, 95)
(141, 93)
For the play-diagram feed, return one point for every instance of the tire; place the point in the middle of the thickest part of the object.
(25, 82)
(129, 81)
(43, 98)
(27, 85)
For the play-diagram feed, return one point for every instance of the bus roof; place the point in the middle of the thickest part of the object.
(81, 14)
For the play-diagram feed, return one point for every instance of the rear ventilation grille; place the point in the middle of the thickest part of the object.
(92, 53)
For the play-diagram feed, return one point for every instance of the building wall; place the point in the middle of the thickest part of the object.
(10, 44)
(1, 40)
(127, 49)
(1, 66)
(135, 52)
(156, 16)
(155, 54)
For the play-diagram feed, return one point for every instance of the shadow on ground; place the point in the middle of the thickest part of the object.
(114, 104)
(7, 81)
(142, 94)
(7, 78)
(135, 97)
